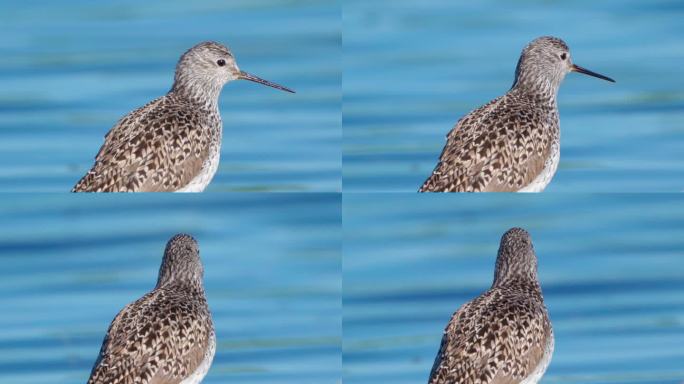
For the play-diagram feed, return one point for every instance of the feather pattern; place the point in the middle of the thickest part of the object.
(512, 143)
(167, 336)
(504, 336)
(174, 142)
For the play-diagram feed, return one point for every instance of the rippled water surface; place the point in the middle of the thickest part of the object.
(611, 269)
(412, 69)
(272, 278)
(71, 69)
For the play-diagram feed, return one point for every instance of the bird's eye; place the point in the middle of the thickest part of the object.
(221, 62)
(563, 56)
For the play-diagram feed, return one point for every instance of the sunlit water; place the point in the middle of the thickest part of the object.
(611, 270)
(70, 70)
(272, 279)
(412, 69)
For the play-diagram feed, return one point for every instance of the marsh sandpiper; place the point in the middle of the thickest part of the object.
(505, 334)
(512, 143)
(166, 336)
(173, 143)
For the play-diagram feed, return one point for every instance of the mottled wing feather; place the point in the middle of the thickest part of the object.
(155, 148)
(100, 368)
(445, 345)
(480, 348)
(505, 156)
(146, 348)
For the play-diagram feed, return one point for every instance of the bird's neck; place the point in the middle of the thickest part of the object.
(541, 90)
(170, 275)
(507, 272)
(523, 282)
(188, 285)
(197, 91)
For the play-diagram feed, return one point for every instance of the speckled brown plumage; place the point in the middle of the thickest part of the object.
(167, 335)
(174, 142)
(504, 335)
(159, 147)
(511, 143)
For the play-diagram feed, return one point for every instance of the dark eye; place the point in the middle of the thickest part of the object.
(564, 56)
(221, 62)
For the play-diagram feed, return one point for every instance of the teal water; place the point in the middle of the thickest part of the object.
(70, 70)
(272, 278)
(411, 70)
(611, 270)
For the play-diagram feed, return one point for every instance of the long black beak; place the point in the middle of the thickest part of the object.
(247, 76)
(577, 68)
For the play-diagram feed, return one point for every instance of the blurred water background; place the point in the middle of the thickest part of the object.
(272, 278)
(412, 69)
(70, 70)
(611, 270)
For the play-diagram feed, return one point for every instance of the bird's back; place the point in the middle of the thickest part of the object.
(164, 337)
(161, 146)
(503, 336)
(502, 146)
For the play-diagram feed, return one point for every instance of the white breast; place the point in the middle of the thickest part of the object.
(544, 178)
(203, 178)
(539, 371)
(201, 371)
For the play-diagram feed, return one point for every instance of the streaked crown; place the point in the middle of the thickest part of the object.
(543, 64)
(205, 68)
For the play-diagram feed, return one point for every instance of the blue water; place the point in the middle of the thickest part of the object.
(70, 70)
(412, 69)
(611, 269)
(272, 278)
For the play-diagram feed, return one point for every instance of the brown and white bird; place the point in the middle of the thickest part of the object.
(173, 143)
(167, 336)
(503, 335)
(512, 143)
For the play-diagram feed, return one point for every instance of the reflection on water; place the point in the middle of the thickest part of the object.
(70, 70)
(611, 268)
(411, 71)
(272, 277)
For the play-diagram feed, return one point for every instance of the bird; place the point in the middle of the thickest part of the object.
(167, 336)
(512, 143)
(505, 334)
(173, 143)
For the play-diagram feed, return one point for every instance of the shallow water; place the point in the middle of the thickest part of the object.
(70, 70)
(272, 277)
(411, 71)
(611, 269)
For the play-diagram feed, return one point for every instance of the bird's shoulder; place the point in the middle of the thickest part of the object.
(158, 122)
(497, 125)
(159, 338)
(499, 337)
(501, 146)
(158, 147)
